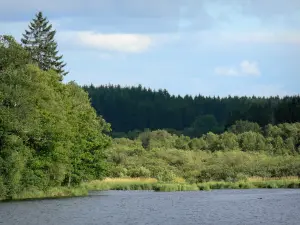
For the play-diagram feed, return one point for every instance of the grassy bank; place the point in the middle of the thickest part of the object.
(154, 185)
(289, 182)
(58, 192)
(121, 184)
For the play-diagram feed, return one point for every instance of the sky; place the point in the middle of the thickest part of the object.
(207, 47)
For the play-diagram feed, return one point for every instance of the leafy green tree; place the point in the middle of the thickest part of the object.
(204, 124)
(229, 141)
(278, 145)
(12, 53)
(39, 41)
(198, 144)
(241, 126)
(157, 139)
(49, 133)
(251, 141)
(273, 131)
(213, 141)
(182, 142)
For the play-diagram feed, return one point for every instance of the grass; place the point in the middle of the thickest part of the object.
(253, 182)
(56, 192)
(255, 179)
(121, 184)
(153, 184)
(139, 184)
(162, 187)
(180, 185)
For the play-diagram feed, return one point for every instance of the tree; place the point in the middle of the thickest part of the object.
(241, 126)
(204, 124)
(145, 108)
(50, 135)
(39, 41)
(12, 53)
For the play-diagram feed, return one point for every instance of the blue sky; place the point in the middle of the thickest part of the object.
(208, 47)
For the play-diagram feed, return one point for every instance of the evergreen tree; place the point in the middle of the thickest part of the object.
(39, 41)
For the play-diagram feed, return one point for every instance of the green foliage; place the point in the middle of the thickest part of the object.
(166, 176)
(241, 126)
(40, 43)
(226, 157)
(157, 139)
(192, 116)
(55, 192)
(182, 142)
(204, 124)
(137, 184)
(139, 172)
(228, 141)
(165, 187)
(282, 183)
(251, 141)
(121, 184)
(3, 189)
(12, 53)
(198, 144)
(49, 134)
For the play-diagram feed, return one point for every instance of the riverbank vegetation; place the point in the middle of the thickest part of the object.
(274, 152)
(155, 185)
(151, 184)
(53, 143)
(50, 136)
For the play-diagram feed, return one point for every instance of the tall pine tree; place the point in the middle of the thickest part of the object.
(39, 41)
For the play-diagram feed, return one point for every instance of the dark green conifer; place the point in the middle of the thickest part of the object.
(39, 41)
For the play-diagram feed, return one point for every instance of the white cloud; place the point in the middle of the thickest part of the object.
(245, 68)
(128, 43)
(249, 68)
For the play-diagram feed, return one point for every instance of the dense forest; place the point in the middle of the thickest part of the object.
(137, 108)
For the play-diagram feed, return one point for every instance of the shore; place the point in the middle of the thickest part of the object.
(155, 185)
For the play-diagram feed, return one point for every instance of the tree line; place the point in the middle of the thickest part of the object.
(136, 108)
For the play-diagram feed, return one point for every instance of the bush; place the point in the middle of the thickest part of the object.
(139, 172)
(2, 189)
(166, 176)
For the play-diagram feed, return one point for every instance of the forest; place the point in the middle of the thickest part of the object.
(58, 138)
(133, 109)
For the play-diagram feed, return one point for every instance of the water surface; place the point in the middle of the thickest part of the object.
(225, 207)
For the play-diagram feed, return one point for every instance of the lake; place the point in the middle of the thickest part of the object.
(224, 207)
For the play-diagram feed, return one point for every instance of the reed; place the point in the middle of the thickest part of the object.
(179, 184)
(253, 183)
(121, 184)
(254, 179)
(175, 187)
(56, 192)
